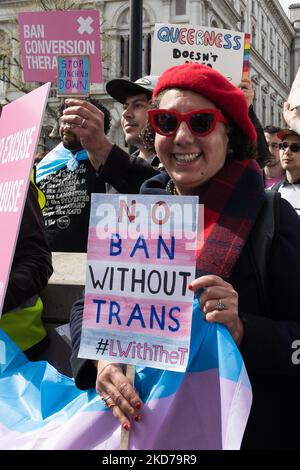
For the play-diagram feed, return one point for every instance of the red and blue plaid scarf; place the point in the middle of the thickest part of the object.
(232, 201)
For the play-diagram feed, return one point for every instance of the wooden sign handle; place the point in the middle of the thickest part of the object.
(125, 435)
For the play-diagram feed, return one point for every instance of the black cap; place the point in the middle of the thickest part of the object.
(120, 88)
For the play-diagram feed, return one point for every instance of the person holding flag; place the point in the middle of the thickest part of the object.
(206, 141)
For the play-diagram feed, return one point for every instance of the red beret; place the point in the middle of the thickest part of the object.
(213, 85)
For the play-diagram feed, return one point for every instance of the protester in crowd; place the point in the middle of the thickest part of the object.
(135, 98)
(204, 138)
(273, 171)
(30, 271)
(263, 155)
(289, 149)
(67, 179)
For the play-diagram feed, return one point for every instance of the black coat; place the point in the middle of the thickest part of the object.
(271, 325)
(32, 263)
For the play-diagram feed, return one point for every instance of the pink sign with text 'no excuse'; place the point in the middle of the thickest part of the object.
(46, 35)
(141, 259)
(20, 125)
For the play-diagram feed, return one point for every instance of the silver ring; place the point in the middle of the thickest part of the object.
(82, 122)
(220, 306)
(105, 400)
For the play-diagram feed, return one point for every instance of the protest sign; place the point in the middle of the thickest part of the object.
(223, 50)
(73, 75)
(140, 261)
(294, 96)
(46, 35)
(20, 127)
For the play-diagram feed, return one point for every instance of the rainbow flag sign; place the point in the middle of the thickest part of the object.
(206, 407)
(221, 49)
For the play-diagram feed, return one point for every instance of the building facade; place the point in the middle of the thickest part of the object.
(274, 59)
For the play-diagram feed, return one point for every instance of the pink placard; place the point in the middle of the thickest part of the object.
(141, 258)
(46, 35)
(20, 125)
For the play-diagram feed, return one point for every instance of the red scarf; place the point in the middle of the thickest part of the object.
(232, 200)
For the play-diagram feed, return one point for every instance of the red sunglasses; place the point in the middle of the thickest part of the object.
(201, 122)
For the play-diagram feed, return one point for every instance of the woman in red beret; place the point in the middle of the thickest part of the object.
(206, 142)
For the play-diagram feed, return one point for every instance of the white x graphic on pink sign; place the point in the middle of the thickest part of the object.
(85, 25)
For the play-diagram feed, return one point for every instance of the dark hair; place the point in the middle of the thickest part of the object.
(240, 146)
(98, 104)
(272, 129)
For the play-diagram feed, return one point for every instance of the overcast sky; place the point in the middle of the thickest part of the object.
(285, 4)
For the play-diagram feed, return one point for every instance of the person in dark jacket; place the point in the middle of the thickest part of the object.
(67, 178)
(204, 138)
(30, 272)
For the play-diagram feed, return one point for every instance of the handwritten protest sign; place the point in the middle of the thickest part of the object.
(294, 96)
(73, 75)
(46, 35)
(141, 259)
(224, 50)
(19, 132)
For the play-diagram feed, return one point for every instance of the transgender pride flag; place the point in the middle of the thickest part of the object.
(207, 407)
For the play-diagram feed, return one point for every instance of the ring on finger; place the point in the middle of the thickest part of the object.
(105, 399)
(220, 306)
(82, 123)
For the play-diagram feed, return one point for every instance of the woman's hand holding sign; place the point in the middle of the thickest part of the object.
(117, 393)
(219, 303)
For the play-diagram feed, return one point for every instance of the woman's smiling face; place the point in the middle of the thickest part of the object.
(189, 159)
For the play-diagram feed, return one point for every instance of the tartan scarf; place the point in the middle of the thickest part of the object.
(232, 201)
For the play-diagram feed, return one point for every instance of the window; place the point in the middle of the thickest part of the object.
(5, 54)
(279, 67)
(263, 47)
(255, 97)
(214, 24)
(180, 7)
(4, 67)
(264, 109)
(272, 115)
(242, 21)
(124, 55)
(253, 36)
(272, 58)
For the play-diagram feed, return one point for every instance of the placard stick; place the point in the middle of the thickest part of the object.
(125, 435)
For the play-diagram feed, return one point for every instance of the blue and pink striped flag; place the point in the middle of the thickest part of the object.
(206, 407)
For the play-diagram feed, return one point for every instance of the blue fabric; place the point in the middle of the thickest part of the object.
(59, 158)
(32, 393)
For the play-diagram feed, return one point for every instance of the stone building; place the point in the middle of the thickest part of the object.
(275, 52)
